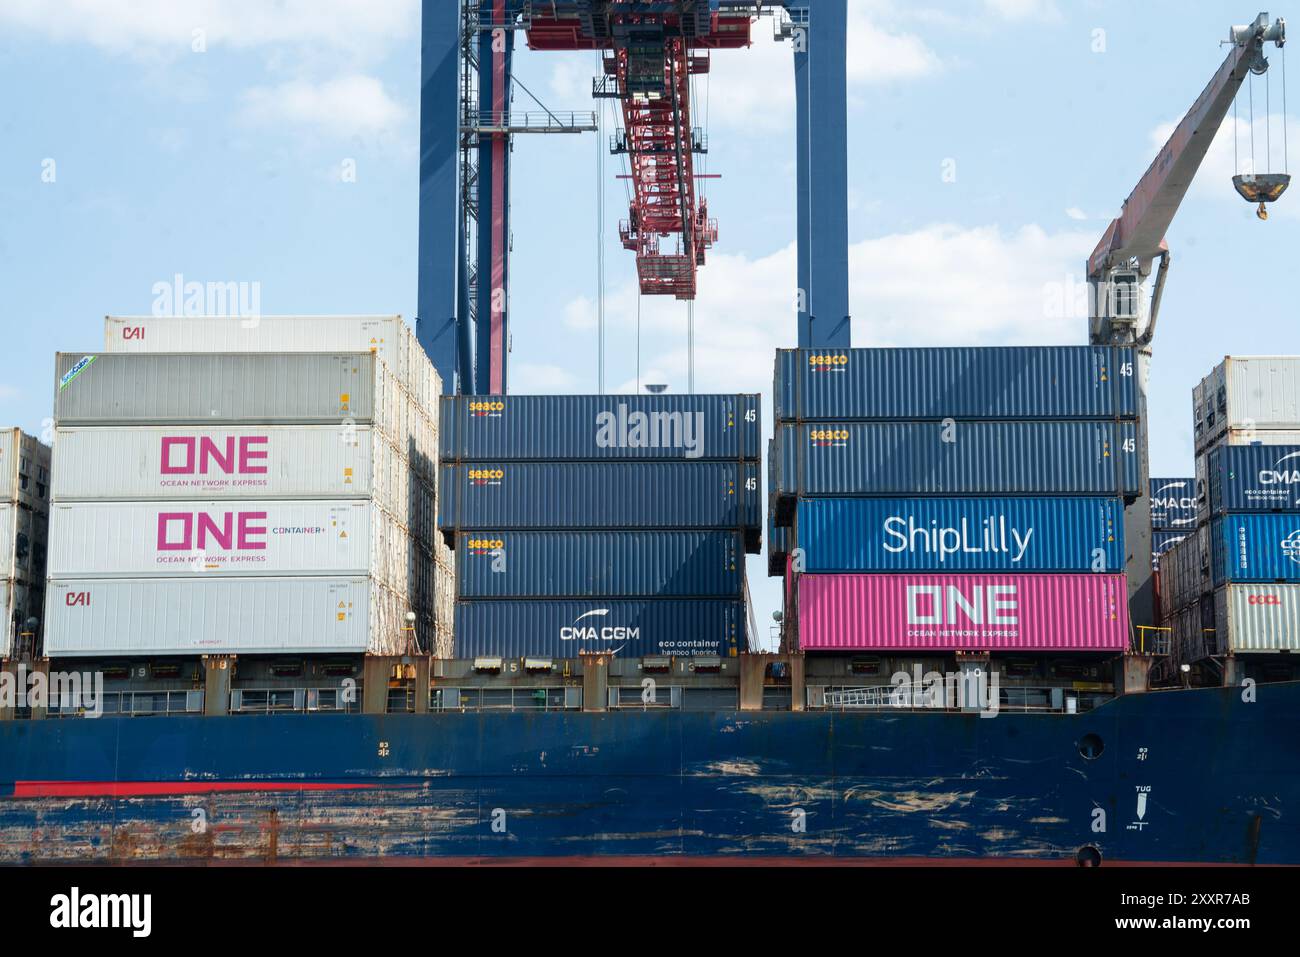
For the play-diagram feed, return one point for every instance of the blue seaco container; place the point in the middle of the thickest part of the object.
(1016, 382)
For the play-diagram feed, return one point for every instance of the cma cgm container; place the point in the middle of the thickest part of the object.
(1253, 478)
(388, 337)
(596, 427)
(1247, 394)
(523, 495)
(1259, 548)
(188, 462)
(1257, 619)
(203, 614)
(1018, 382)
(630, 629)
(960, 458)
(1173, 503)
(947, 613)
(204, 388)
(561, 564)
(954, 534)
(1163, 540)
(143, 539)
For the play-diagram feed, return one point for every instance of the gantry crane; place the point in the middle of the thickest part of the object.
(1136, 239)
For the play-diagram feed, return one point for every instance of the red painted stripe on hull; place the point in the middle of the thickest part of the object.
(74, 789)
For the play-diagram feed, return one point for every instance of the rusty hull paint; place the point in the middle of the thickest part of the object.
(689, 786)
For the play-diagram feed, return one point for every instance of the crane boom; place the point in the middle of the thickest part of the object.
(1137, 237)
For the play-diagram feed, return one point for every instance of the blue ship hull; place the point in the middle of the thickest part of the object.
(1195, 776)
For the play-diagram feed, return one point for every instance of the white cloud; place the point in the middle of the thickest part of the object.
(346, 106)
(532, 377)
(134, 26)
(1043, 10)
(1074, 212)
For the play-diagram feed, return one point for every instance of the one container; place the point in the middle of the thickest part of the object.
(200, 389)
(1257, 619)
(1163, 540)
(1173, 504)
(1017, 382)
(562, 564)
(599, 427)
(522, 495)
(628, 629)
(1253, 478)
(962, 534)
(1247, 393)
(1261, 547)
(204, 614)
(959, 458)
(188, 462)
(947, 613)
(170, 539)
(388, 337)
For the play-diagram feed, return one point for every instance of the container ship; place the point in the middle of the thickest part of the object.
(320, 589)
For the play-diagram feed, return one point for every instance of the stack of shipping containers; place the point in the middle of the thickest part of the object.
(950, 500)
(1173, 518)
(24, 525)
(601, 523)
(1233, 588)
(235, 499)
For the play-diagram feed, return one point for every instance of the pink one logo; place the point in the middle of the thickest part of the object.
(190, 531)
(195, 455)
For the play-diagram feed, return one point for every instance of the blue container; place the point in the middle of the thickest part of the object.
(625, 495)
(560, 564)
(1173, 503)
(1254, 478)
(962, 534)
(516, 428)
(629, 629)
(1255, 548)
(1019, 382)
(778, 547)
(1163, 540)
(843, 460)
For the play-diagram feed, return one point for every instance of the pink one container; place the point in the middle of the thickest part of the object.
(989, 612)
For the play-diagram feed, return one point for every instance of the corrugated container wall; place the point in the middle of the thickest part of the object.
(1257, 618)
(591, 427)
(1184, 577)
(1253, 478)
(559, 564)
(527, 495)
(1163, 540)
(1054, 382)
(960, 458)
(955, 534)
(630, 629)
(1254, 547)
(963, 613)
(1173, 504)
(1249, 393)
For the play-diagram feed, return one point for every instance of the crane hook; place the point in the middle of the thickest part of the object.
(1262, 212)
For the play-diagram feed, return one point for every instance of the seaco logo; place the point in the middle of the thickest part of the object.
(486, 408)
(481, 546)
(202, 455)
(1282, 473)
(593, 632)
(486, 476)
(231, 531)
(828, 363)
(951, 605)
(77, 599)
(1291, 546)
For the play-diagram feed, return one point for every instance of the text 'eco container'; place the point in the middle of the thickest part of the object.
(975, 534)
(592, 427)
(1052, 382)
(1080, 613)
(628, 629)
(524, 495)
(562, 564)
(1253, 478)
(1173, 504)
(1262, 548)
(960, 458)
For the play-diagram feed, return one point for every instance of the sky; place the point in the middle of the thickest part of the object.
(990, 144)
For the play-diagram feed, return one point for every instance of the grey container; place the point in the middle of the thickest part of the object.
(1012, 382)
(840, 460)
(1246, 393)
(193, 388)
